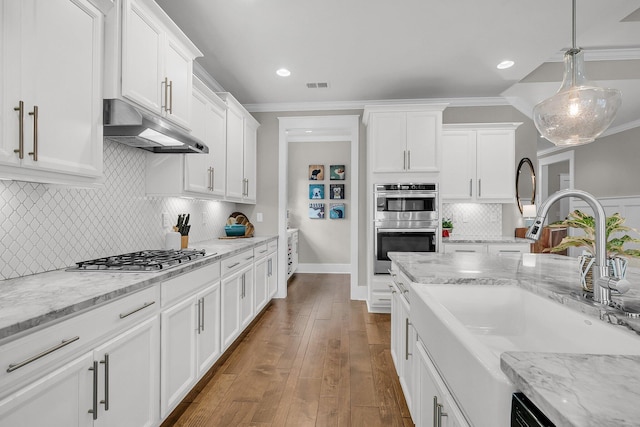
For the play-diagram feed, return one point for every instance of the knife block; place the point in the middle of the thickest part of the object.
(184, 242)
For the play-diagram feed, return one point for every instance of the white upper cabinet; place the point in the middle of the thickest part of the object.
(242, 147)
(51, 58)
(404, 138)
(478, 162)
(194, 175)
(149, 60)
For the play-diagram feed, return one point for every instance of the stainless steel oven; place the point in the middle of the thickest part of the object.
(406, 220)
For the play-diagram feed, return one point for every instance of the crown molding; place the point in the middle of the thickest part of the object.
(206, 78)
(359, 105)
(619, 54)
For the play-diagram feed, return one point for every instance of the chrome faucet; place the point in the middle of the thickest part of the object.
(603, 284)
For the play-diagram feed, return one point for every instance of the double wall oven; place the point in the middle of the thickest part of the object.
(405, 220)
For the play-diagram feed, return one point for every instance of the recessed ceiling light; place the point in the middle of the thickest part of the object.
(283, 72)
(505, 64)
(308, 131)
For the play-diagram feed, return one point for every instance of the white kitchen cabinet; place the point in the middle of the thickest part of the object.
(194, 175)
(241, 152)
(265, 274)
(237, 296)
(128, 367)
(490, 248)
(478, 162)
(149, 60)
(272, 269)
(190, 332)
(293, 245)
(49, 132)
(60, 398)
(434, 405)
(404, 138)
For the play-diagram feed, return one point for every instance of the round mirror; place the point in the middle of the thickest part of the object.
(525, 183)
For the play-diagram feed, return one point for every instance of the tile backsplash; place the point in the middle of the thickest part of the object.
(45, 227)
(474, 219)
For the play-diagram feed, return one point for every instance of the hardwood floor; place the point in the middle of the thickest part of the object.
(313, 359)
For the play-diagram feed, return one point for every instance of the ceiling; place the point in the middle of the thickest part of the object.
(373, 50)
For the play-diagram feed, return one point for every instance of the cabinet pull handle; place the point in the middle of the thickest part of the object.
(12, 367)
(406, 341)
(34, 113)
(270, 265)
(166, 93)
(233, 265)
(202, 315)
(145, 305)
(408, 159)
(94, 408)
(249, 257)
(209, 178)
(470, 187)
(384, 299)
(435, 412)
(244, 280)
(199, 316)
(105, 362)
(170, 96)
(20, 149)
(213, 178)
(404, 159)
(479, 187)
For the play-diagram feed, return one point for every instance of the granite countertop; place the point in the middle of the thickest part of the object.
(484, 239)
(31, 301)
(571, 389)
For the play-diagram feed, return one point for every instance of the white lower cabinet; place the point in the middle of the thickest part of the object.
(434, 405)
(266, 283)
(237, 294)
(490, 248)
(272, 274)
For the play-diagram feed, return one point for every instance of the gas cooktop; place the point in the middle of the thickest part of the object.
(141, 261)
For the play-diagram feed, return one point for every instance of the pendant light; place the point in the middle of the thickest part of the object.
(580, 111)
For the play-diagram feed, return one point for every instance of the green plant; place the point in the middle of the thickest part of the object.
(447, 223)
(586, 223)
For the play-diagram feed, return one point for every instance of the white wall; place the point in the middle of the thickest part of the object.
(46, 228)
(322, 241)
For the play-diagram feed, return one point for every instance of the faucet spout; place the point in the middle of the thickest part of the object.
(601, 294)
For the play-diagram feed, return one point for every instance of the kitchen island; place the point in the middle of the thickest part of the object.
(571, 389)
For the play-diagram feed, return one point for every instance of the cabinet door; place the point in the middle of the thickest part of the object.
(422, 141)
(261, 283)
(231, 288)
(450, 248)
(128, 379)
(388, 136)
(247, 297)
(396, 330)
(11, 82)
(178, 70)
(496, 165)
(249, 167)
(458, 165)
(142, 44)
(235, 153)
(216, 128)
(209, 343)
(61, 398)
(197, 176)
(272, 275)
(178, 353)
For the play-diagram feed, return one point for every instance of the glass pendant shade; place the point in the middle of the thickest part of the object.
(580, 111)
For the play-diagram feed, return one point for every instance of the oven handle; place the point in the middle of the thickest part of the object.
(407, 195)
(405, 230)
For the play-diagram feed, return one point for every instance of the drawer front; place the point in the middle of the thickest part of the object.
(36, 354)
(272, 246)
(451, 248)
(260, 251)
(236, 262)
(179, 287)
(506, 248)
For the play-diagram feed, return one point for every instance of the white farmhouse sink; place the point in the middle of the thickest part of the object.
(465, 328)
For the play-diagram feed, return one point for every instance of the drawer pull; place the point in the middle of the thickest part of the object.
(263, 251)
(233, 265)
(12, 367)
(248, 258)
(384, 299)
(145, 305)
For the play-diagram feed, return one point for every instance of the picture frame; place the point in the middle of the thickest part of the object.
(336, 172)
(337, 211)
(316, 172)
(316, 210)
(336, 191)
(316, 191)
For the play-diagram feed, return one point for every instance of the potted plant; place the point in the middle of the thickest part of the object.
(615, 244)
(447, 227)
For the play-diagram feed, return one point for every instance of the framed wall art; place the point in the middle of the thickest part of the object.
(336, 211)
(336, 191)
(316, 172)
(316, 191)
(316, 210)
(336, 172)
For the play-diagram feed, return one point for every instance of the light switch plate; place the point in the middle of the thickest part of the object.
(166, 219)
(259, 217)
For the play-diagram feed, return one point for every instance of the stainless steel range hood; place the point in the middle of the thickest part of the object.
(131, 126)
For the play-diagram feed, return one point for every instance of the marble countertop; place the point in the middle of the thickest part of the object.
(484, 239)
(31, 301)
(571, 389)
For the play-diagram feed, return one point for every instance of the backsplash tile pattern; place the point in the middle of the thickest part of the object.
(45, 227)
(474, 219)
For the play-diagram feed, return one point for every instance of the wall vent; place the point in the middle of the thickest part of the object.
(318, 85)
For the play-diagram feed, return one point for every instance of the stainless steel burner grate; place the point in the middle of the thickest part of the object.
(141, 261)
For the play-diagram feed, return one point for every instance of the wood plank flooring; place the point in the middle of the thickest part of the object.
(313, 359)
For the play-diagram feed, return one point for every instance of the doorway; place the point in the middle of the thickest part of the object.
(556, 173)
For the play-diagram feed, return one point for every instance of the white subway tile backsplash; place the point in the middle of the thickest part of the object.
(474, 219)
(45, 227)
